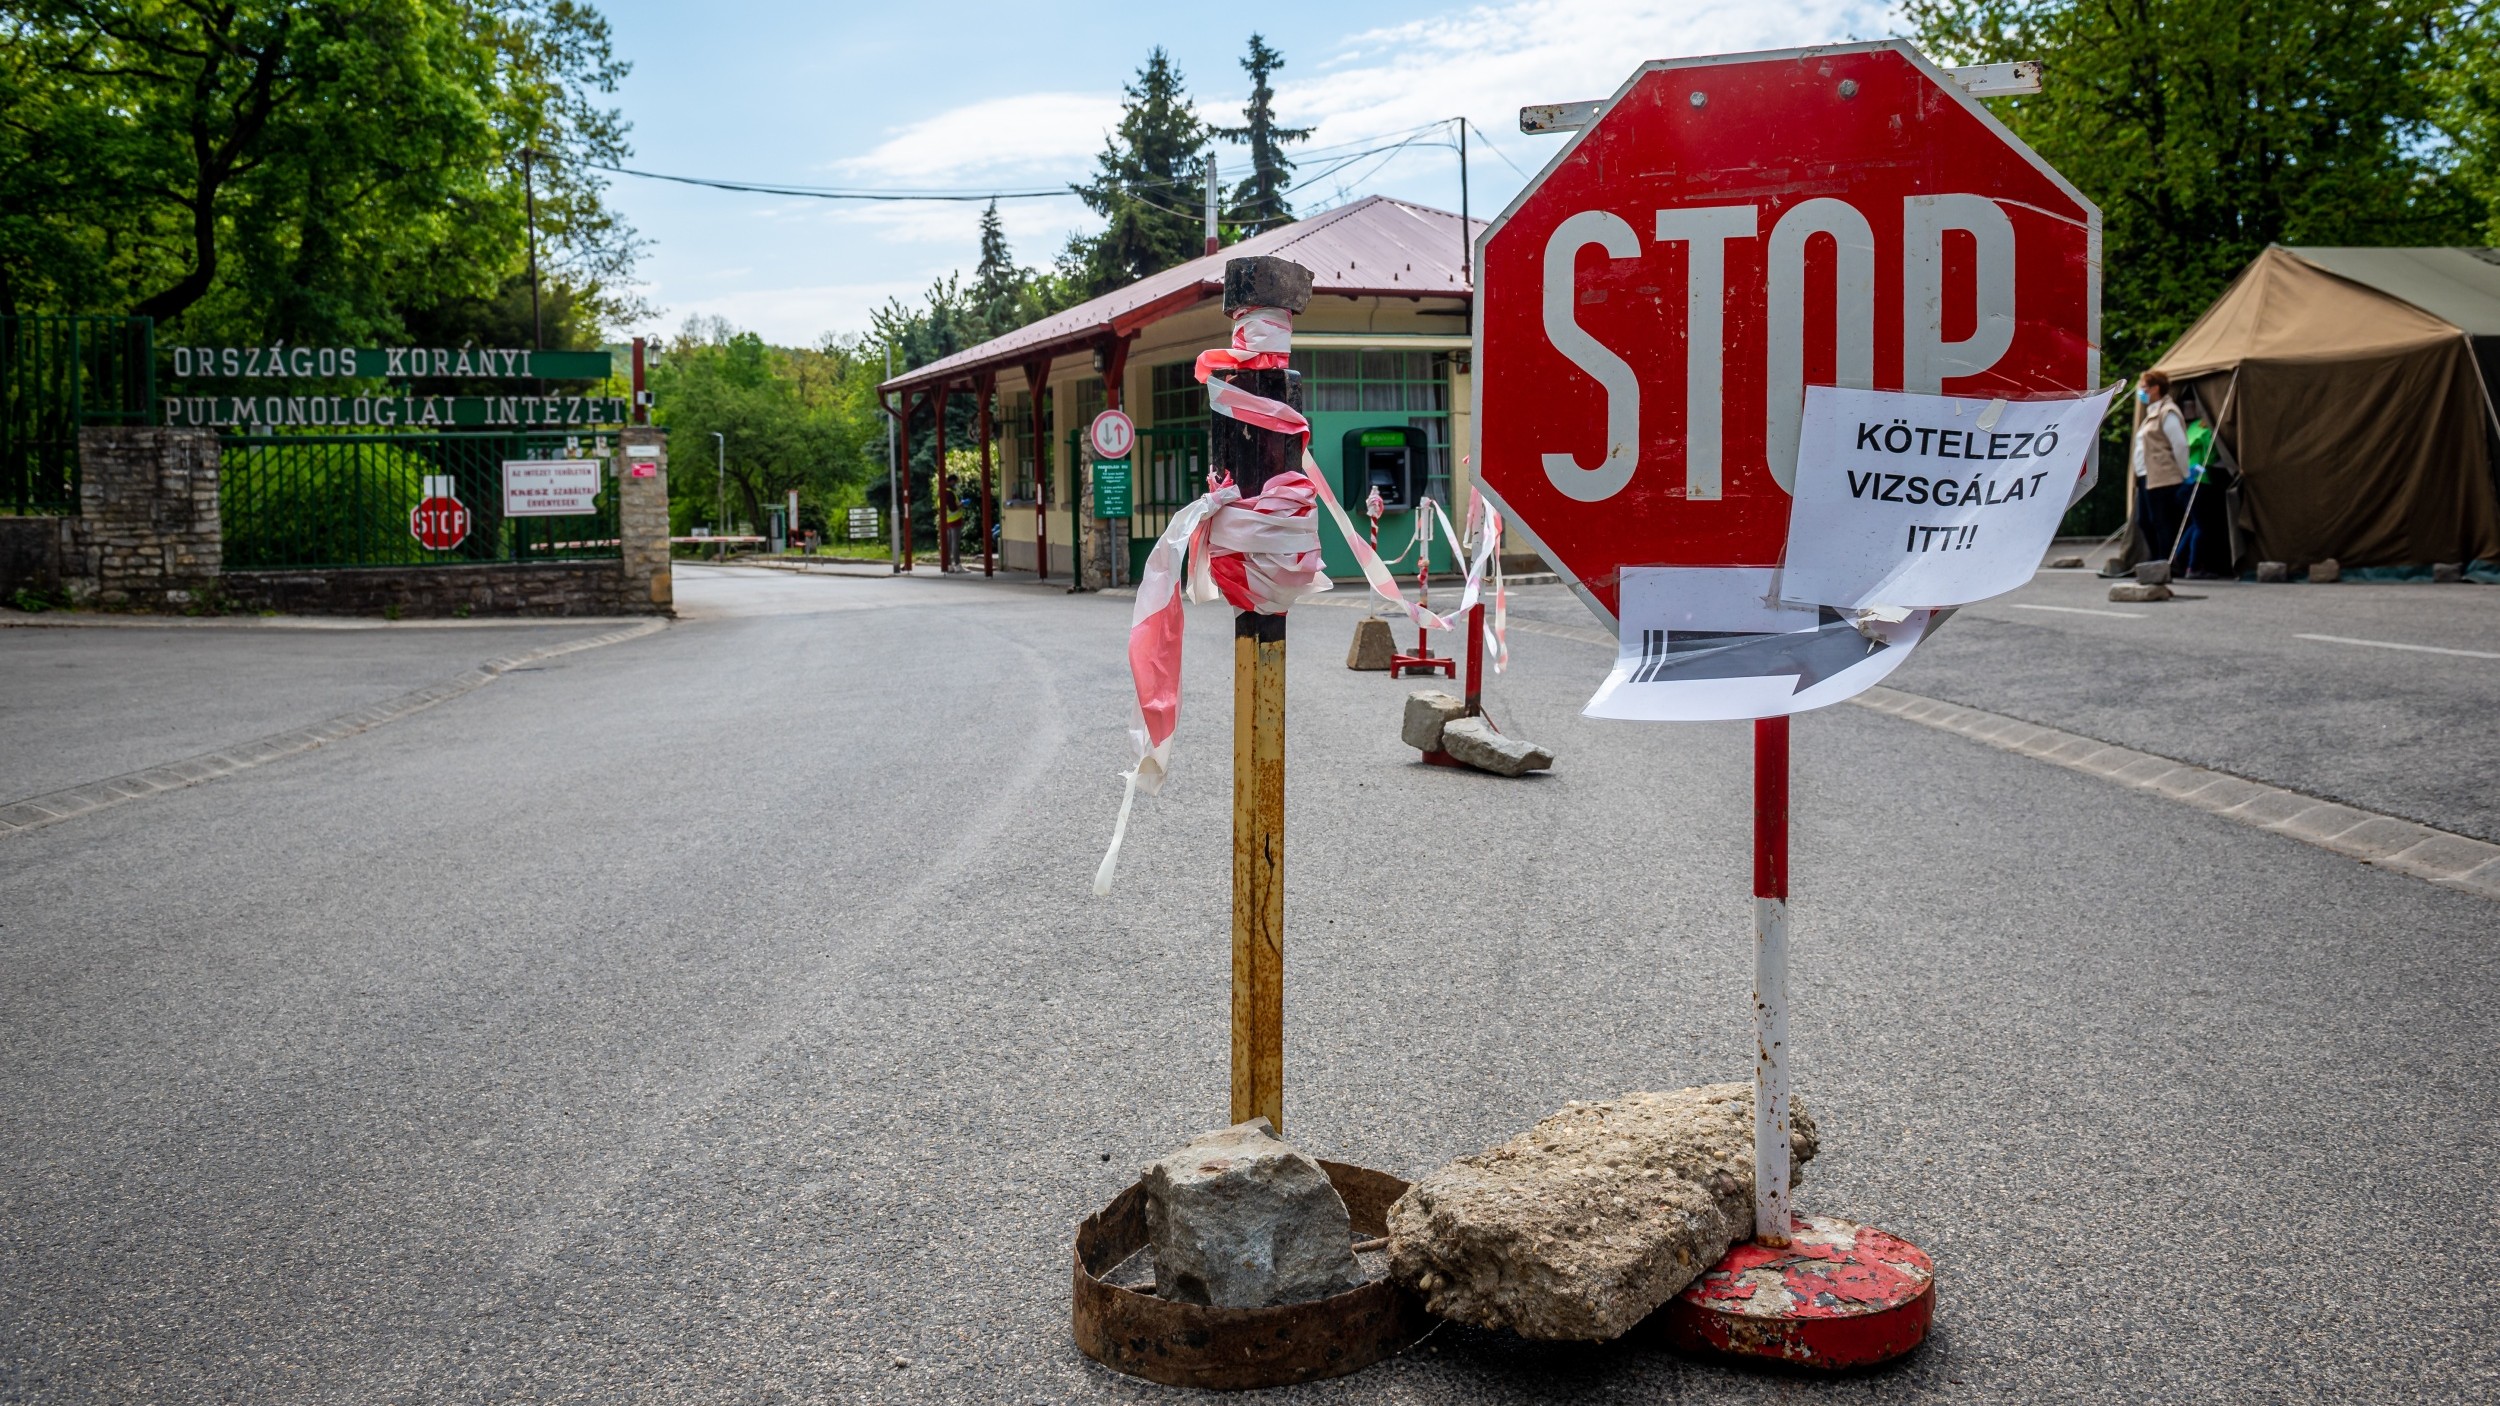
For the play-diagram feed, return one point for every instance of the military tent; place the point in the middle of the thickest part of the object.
(2353, 393)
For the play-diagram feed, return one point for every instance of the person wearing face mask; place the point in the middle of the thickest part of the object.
(2160, 461)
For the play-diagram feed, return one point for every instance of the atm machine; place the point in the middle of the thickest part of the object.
(1392, 458)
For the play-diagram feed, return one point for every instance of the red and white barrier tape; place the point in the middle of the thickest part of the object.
(1260, 553)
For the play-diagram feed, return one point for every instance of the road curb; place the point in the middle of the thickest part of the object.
(35, 812)
(2403, 846)
(95, 620)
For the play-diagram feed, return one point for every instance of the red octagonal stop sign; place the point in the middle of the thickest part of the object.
(439, 523)
(1727, 232)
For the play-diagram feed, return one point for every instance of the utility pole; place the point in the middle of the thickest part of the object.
(720, 510)
(1466, 227)
(893, 514)
(1214, 241)
(529, 199)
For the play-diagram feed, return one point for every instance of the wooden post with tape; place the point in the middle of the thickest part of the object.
(1251, 455)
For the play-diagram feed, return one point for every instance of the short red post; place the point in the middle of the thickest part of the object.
(1423, 660)
(1475, 660)
(1770, 980)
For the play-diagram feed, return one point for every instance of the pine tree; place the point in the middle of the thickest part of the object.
(1259, 202)
(1142, 187)
(998, 286)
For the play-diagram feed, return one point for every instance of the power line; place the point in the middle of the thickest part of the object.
(1497, 151)
(830, 192)
(807, 192)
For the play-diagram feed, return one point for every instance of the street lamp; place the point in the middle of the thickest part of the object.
(720, 510)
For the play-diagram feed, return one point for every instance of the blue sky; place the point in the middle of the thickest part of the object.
(976, 96)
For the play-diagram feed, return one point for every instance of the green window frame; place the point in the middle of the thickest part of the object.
(1015, 445)
(1174, 396)
(1374, 380)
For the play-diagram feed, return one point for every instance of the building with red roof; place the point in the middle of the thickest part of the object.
(1383, 352)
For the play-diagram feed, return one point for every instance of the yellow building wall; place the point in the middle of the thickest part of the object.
(1429, 324)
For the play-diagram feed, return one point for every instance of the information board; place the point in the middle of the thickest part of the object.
(1111, 488)
(550, 487)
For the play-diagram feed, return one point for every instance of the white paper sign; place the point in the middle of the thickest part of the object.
(1707, 644)
(550, 487)
(1927, 501)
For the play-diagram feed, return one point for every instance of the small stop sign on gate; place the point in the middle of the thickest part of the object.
(440, 523)
(1728, 231)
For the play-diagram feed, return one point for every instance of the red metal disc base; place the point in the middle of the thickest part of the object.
(1400, 665)
(1839, 1295)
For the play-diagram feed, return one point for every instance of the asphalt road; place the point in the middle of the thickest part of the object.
(81, 703)
(724, 1016)
(2392, 710)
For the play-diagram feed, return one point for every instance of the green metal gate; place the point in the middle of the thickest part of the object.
(315, 500)
(56, 374)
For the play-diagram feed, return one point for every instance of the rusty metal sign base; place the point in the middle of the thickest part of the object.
(1233, 1349)
(1839, 1295)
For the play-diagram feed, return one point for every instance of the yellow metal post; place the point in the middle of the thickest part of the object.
(1259, 869)
(1250, 455)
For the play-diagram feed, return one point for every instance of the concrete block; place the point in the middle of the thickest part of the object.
(2324, 573)
(2274, 571)
(2269, 807)
(2046, 742)
(2138, 593)
(1242, 1219)
(1473, 741)
(2482, 880)
(2065, 563)
(2152, 573)
(2223, 792)
(2447, 572)
(2376, 837)
(1576, 1229)
(2322, 821)
(1428, 712)
(2144, 770)
(2182, 781)
(1372, 646)
(1266, 281)
(2441, 857)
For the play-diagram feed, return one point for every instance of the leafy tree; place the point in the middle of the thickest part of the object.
(2467, 86)
(1258, 202)
(2205, 133)
(1140, 187)
(261, 169)
(802, 418)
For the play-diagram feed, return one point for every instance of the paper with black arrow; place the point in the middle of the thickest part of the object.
(1706, 644)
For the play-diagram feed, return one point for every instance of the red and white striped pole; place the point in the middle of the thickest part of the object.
(1771, 1222)
(1773, 1296)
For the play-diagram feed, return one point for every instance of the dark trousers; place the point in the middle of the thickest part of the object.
(2160, 510)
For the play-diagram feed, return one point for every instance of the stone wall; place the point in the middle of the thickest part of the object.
(146, 535)
(642, 517)
(147, 538)
(487, 588)
(30, 554)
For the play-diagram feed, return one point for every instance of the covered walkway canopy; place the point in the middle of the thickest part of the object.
(2353, 392)
(1390, 305)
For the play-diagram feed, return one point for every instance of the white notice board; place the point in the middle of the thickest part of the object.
(550, 487)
